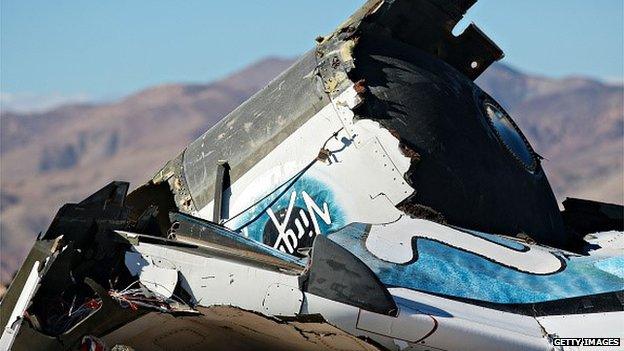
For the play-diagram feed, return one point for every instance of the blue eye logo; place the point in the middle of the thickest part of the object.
(289, 221)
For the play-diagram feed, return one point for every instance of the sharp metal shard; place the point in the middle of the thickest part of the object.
(370, 197)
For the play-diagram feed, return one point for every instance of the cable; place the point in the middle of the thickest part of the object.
(292, 180)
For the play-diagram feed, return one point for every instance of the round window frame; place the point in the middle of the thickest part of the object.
(531, 168)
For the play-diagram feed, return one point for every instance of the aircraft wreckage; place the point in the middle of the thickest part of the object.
(370, 197)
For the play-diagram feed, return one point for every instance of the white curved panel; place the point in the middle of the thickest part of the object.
(393, 243)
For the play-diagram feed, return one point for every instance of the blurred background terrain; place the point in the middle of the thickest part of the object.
(64, 154)
(89, 95)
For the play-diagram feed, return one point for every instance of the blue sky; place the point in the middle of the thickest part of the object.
(54, 51)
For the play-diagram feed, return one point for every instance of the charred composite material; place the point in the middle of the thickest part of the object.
(414, 77)
(368, 198)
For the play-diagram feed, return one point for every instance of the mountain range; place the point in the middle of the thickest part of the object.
(62, 155)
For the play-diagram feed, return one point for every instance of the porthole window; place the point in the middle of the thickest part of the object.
(510, 136)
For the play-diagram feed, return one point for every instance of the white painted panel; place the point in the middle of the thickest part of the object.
(393, 242)
(457, 326)
(462, 326)
(339, 314)
(410, 325)
(364, 172)
(161, 281)
(282, 300)
(10, 330)
(609, 243)
(215, 281)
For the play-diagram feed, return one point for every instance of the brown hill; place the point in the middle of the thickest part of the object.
(64, 154)
(577, 124)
